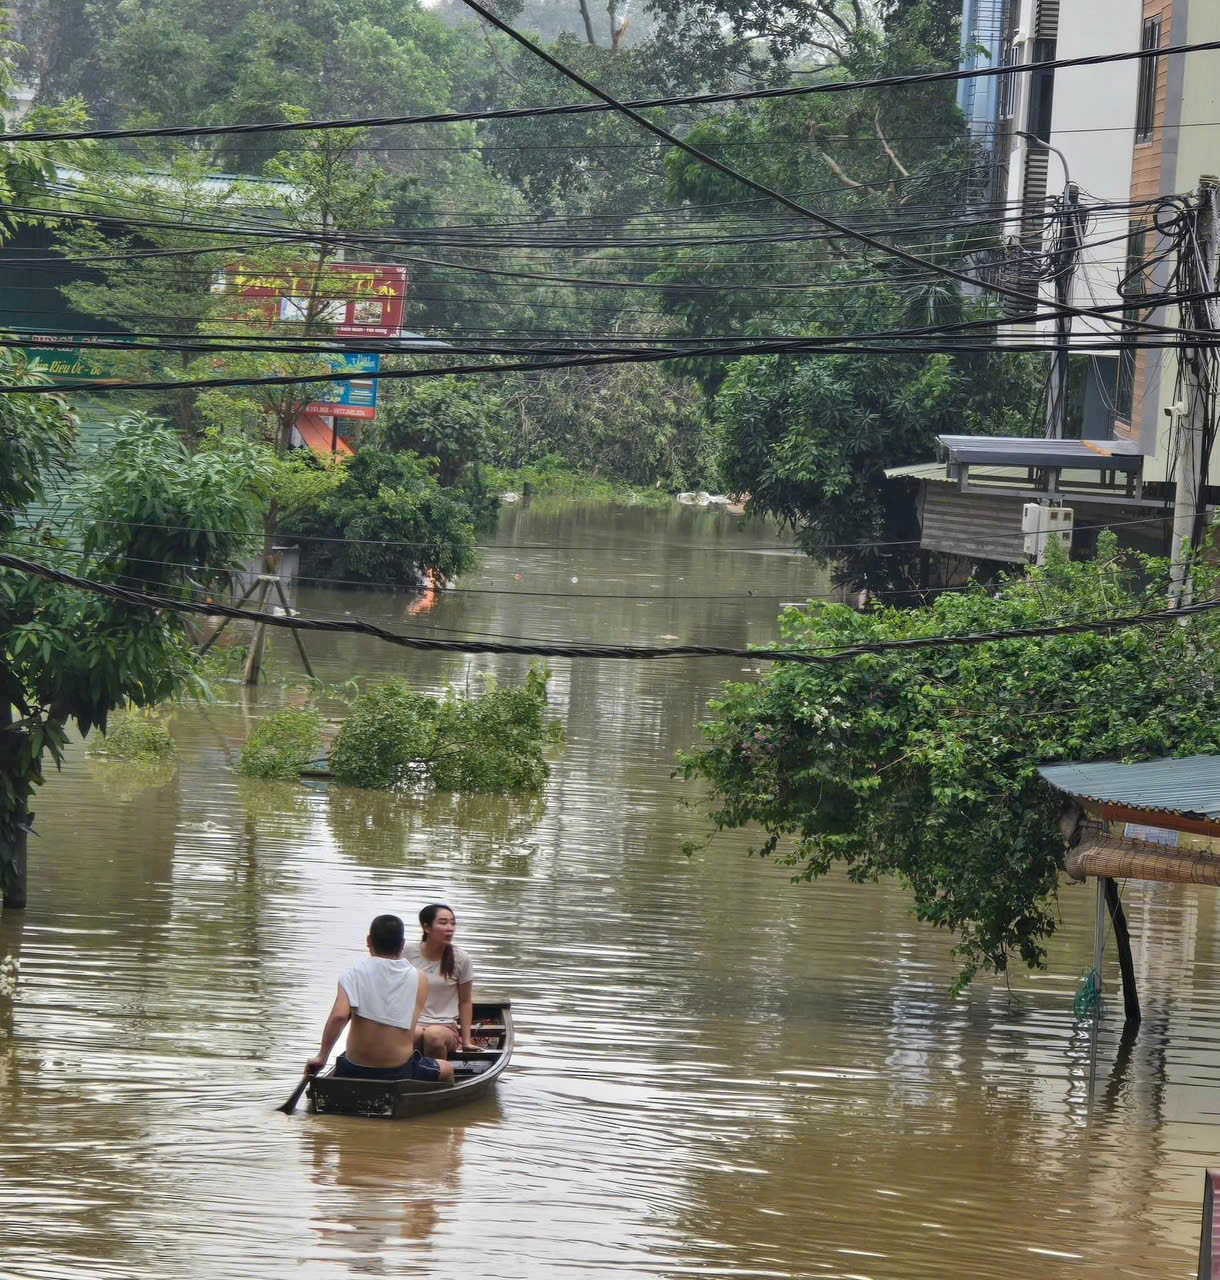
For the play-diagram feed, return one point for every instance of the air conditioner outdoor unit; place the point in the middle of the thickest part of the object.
(1040, 524)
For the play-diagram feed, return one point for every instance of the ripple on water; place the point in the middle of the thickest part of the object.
(717, 1072)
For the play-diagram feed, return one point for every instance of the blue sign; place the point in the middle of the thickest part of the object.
(355, 397)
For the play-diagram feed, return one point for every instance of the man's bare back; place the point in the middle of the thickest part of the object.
(373, 1044)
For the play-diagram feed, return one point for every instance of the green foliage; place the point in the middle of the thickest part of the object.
(242, 60)
(319, 182)
(37, 435)
(148, 503)
(922, 764)
(493, 742)
(222, 662)
(379, 518)
(552, 477)
(136, 737)
(27, 169)
(68, 655)
(633, 423)
(809, 440)
(164, 188)
(282, 744)
(457, 421)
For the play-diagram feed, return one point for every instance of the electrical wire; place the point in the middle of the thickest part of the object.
(818, 655)
(831, 224)
(743, 95)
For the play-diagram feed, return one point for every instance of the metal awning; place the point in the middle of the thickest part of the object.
(1020, 451)
(1188, 787)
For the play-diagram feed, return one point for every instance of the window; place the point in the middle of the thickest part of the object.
(1041, 91)
(1145, 105)
(1007, 98)
(1132, 288)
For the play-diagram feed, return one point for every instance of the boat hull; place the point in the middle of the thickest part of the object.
(477, 1073)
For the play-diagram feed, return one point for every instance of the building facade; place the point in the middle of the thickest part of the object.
(1122, 136)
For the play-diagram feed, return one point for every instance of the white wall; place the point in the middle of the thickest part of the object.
(1192, 149)
(1093, 124)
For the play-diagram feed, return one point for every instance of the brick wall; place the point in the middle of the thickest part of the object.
(1146, 167)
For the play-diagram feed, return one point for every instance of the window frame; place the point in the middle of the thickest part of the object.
(1149, 78)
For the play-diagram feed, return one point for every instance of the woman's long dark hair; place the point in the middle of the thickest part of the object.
(426, 916)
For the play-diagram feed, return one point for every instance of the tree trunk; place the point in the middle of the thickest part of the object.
(617, 29)
(584, 13)
(14, 881)
(16, 885)
(1122, 939)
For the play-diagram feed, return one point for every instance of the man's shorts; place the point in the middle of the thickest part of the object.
(416, 1067)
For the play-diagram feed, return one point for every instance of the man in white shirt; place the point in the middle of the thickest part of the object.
(382, 996)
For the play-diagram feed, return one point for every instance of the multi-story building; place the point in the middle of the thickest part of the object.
(1117, 137)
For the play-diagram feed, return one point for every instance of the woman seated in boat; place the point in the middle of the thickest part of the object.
(383, 997)
(444, 1024)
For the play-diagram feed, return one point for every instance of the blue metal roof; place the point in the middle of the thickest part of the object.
(1189, 786)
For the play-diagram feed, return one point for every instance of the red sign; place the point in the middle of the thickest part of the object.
(359, 299)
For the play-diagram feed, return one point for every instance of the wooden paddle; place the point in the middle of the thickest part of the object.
(295, 1096)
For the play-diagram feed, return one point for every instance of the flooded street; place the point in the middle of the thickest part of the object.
(717, 1072)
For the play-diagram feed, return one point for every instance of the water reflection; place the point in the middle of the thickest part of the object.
(372, 1201)
(378, 829)
(716, 1070)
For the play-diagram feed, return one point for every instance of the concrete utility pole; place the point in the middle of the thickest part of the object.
(1193, 419)
(1065, 268)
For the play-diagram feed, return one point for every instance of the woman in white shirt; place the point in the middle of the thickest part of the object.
(444, 1024)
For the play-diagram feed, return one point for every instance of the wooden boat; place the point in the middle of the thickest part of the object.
(475, 1074)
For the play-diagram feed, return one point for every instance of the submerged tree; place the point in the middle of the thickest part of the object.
(922, 764)
(809, 438)
(494, 741)
(149, 509)
(380, 518)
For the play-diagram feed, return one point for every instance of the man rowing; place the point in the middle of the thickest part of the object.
(382, 996)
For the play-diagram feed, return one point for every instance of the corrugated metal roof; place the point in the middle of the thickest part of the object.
(1189, 786)
(918, 471)
(1086, 455)
(938, 472)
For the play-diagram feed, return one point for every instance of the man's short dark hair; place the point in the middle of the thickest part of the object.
(387, 935)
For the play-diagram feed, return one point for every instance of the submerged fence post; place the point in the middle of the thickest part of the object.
(1209, 1254)
(1099, 941)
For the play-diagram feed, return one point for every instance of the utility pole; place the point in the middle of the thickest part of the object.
(1193, 419)
(1063, 268)
(1064, 264)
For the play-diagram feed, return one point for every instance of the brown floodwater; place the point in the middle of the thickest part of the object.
(717, 1071)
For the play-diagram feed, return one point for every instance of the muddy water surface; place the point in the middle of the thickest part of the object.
(717, 1072)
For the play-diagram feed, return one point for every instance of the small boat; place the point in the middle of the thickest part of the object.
(475, 1074)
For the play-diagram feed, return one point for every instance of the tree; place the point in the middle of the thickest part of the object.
(809, 438)
(131, 275)
(922, 764)
(492, 742)
(632, 422)
(148, 508)
(459, 422)
(379, 518)
(315, 193)
(893, 160)
(27, 169)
